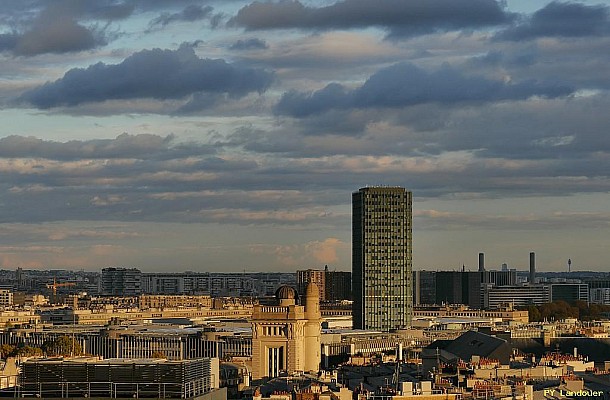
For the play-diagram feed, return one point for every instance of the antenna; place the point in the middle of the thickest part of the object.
(569, 265)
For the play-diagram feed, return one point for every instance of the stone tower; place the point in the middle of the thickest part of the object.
(312, 328)
(281, 334)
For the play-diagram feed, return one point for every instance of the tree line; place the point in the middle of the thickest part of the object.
(59, 346)
(560, 309)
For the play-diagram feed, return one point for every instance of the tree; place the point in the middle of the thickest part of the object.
(28, 351)
(534, 313)
(62, 346)
(158, 354)
(6, 350)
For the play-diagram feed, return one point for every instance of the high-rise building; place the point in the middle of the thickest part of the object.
(382, 237)
(121, 281)
(338, 285)
(317, 276)
(424, 287)
(333, 285)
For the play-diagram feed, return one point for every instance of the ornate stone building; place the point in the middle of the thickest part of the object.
(286, 336)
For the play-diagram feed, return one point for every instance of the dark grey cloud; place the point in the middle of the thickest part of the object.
(199, 102)
(157, 178)
(562, 19)
(53, 31)
(190, 13)
(143, 146)
(577, 62)
(58, 36)
(249, 44)
(155, 74)
(523, 58)
(297, 104)
(404, 84)
(400, 17)
(8, 41)
(108, 10)
(63, 26)
(569, 129)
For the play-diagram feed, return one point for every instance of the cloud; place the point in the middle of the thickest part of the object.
(156, 74)
(561, 19)
(59, 36)
(444, 220)
(107, 10)
(400, 17)
(8, 41)
(305, 255)
(190, 13)
(53, 31)
(123, 146)
(199, 102)
(249, 44)
(17, 233)
(404, 84)
(326, 252)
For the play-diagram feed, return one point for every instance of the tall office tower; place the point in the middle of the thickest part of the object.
(532, 268)
(382, 237)
(481, 262)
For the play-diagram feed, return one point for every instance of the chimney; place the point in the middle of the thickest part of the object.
(532, 268)
(481, 262)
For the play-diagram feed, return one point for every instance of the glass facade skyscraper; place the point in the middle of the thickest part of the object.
(382, 247)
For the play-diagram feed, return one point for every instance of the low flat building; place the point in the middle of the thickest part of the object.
(89, 377)
(19, 317)
(569, 292)
(504, 312)
(110, 314)
(496, 296)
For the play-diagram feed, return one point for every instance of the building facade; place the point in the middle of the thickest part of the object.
(599, 290)
(496, 297)
(424, 287)
(216, 284)
(121, 281)
(286, 336)
(382, 237)
(333, 285)
(600, 296)
(6, 297)
(468, 287)
(312, 275)
(569, 292)
(338, 285)
(118, 378)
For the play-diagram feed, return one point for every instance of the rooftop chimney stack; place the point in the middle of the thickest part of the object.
(481, 262)
(532, 268)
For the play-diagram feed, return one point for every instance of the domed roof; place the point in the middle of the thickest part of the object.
(286, 292)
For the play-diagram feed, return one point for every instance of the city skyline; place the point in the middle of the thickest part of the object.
(229, 135)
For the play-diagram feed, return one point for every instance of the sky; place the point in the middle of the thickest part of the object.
(229, 135)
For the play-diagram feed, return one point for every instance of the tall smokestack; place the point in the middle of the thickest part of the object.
(532, 268)
(481, 262)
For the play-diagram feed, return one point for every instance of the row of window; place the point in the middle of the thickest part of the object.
(274, 330)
